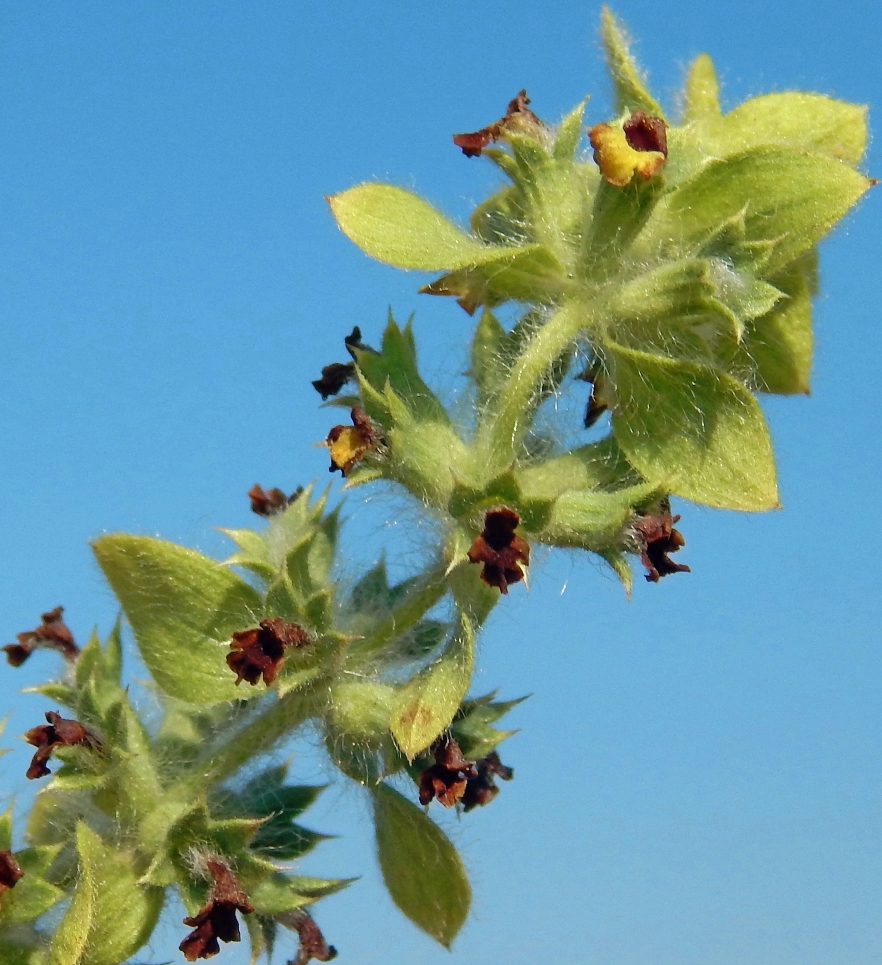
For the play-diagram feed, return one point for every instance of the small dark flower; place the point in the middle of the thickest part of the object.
(334, 377)
(261, 651)
(645, 133)
(481, 789)
(518, 117)
(348, 444)
(52, 634)
(312, 941)
(445, 780)
(500, 550)
(337, 374)
(216, 920)
(657, 537)
(57, 733)
(268, 503)
(10, 872)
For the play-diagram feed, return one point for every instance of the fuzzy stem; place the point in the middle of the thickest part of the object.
(257, 736)
(498, 438)
(404, 616)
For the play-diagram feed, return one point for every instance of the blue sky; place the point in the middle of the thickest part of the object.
(699, 775)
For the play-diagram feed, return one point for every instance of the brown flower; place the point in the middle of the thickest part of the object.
(268, 503)
(657, 537)
(446, 778)
(637, 146)
(10, 872)
(216, 920)
(261, 651)
(334, 377)
(337, 374)
(52, 634)
(518, 118)
(500, 550)
(57, 733)
(312, 941)
(481, 789)
(348, 444)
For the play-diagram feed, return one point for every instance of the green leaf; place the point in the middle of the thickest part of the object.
(280, 893)
(787, 198)
(489, 361)
(426, 705)
(182, 607)
(533, 276)
(692, 429)
(397, 227)
(568, 133)
(806, 122)
(396, 364)
(701, 100)
(594, 520)
(472, 728)
(775, 354)
(675, 310)
(111, 915)
(599, 466)
(32, 895)
(629, 86)
(502, 218)
(57, 692)
(421, 869)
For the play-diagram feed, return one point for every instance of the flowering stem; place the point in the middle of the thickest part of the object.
(498, 438)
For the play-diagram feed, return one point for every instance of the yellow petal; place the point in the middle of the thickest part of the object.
(617, 160)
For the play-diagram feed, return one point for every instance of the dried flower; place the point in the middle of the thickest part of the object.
(334, 377)
(518, 118)
(656, 538)
(481, 789)
(57, 733)
(636, 146)
(216, 920)
(348, 444)
(337, 374)
(446, 778)
(500, 550)
(10, 871)
(268, 503)
(52, 634)
(261, 650)
(312, 941)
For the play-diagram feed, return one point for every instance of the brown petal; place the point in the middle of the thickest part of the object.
(517, 118)
(481, 789)
(58, 732)
(312, 941)
(52, 634)
(260, 652)
(216, 920)
(500, 550)
(445, 780)
(656, 538)
(10, 872)
(268, 503)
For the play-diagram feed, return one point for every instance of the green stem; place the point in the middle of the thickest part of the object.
(257, 736)
(498, 438)
(404, 616)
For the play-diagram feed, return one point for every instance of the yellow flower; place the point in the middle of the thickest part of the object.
(633, 145)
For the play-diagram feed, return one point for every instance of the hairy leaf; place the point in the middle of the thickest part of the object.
(183, 608)
(693, 429)
(422, 871)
